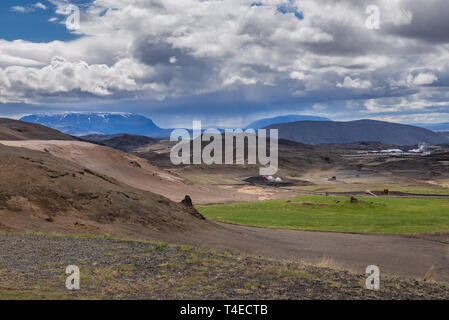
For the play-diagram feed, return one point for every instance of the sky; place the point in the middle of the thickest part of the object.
(226, 62)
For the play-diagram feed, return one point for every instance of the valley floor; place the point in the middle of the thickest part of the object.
(76, 188)
(32, 266)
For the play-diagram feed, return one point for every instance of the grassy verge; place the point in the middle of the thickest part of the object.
(358, 188)
(370, 215)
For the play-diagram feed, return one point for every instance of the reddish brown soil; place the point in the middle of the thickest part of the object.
(132, 170)
(41, 192)
(19, 130)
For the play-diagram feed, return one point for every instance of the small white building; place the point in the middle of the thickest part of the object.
(392, 151)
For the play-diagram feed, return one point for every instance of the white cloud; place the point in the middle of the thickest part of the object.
(173, 60)
(40, 5)
(20, 9)
(62, 76)
(7, 59)
(297, 75)
(425, 78)
(238, 79)
(350, 83)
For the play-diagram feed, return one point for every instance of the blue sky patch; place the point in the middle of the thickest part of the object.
(34, 21)
(290, 8)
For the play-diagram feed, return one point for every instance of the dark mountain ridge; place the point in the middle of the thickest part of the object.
(333, 132)
(283, 119)
(433, 126)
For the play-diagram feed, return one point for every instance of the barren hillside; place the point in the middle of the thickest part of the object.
(129, 169)
(41, 192)
(18, 130)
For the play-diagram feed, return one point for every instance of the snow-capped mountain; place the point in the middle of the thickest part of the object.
(79, 124)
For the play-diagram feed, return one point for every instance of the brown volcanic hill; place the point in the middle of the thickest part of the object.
(123, 142)
(128, 169)
(292, 155)
(45, 193)
(18, 130)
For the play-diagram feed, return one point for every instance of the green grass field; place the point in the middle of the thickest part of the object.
(370, 215)
(358, 188)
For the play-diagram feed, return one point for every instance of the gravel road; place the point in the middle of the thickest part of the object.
(32, 266)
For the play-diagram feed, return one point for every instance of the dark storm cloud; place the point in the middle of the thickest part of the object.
(153, 53)
(429, 22)
(174, 67)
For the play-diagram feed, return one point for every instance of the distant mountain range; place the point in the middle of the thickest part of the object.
(283, 119)
(433, 126)
(79, 124)
(328, 132)
(315, 130)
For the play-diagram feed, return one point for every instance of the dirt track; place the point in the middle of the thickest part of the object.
(405, 256)
(33, 267)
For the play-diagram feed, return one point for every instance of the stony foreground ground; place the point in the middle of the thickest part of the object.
(32, 266)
